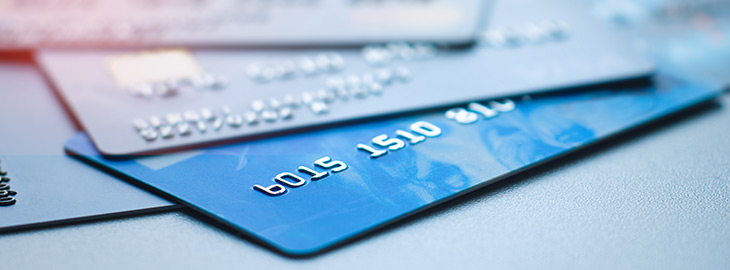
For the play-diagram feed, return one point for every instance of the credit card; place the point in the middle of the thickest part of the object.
(155, 101)
(304, 193)
(226, 23)
(689, 36)
(39, 184)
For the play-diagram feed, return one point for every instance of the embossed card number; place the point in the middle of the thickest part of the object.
(383, 144)
(423, 129)
(6, 195)
(292, 180)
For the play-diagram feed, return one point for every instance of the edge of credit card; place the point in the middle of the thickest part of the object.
(680, 106)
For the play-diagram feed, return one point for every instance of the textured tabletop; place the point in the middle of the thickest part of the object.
(657, 198)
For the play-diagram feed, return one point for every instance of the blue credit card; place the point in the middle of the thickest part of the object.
(39, 184)
(306, 192)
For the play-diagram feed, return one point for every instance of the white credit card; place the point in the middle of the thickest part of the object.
(226, 23)
(133, 102)
(39, 184)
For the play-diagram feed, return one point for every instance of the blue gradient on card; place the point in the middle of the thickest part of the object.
(373, 192)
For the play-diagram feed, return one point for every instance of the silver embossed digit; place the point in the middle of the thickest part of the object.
(327, 163)
(315, 175)
(412, 139)
(272, 190)
(390, 143)
(462, 116)
(282, 179)
(484, 110)
(504, 106)
(426, 129)
(372, 151)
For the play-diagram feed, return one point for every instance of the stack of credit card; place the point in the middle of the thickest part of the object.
(50, 188)
(305, 124)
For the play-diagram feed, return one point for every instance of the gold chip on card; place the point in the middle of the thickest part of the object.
(153, 66)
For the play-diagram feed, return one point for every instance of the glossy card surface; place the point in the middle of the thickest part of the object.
(156, 101)
(304, 193)
(226, 23)
(49, 186)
